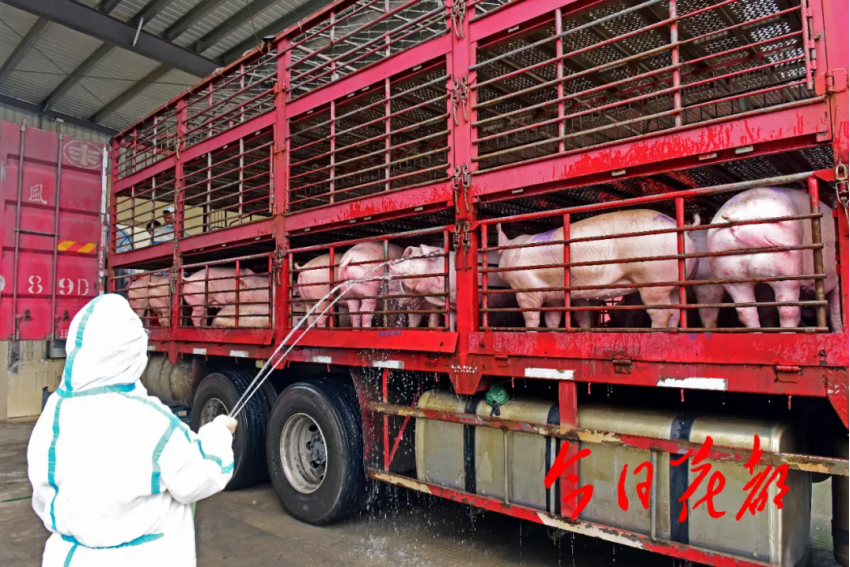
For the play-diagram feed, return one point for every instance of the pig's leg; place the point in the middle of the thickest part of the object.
(197, 315)
(553, 318)
(582, 319)
(414, 320)
(745, 293)
(354, 310)
(658, 296)
(453, 320)
(434, 320)
(709, 294)
(321, 320)
(366, 307)
(787, 291)
(834, 311)
(529, 301)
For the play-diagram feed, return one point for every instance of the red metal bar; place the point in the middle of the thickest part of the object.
(674, 59)
(485, 299)
(817, 253)
(680, 250)
(384, 394)
(566, 244)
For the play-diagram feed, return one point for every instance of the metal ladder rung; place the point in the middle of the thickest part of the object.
(35, 232)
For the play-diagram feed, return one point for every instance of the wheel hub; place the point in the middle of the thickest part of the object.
(213, 408)
(303, 453)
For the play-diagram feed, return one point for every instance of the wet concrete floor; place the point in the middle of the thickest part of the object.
(249, 528)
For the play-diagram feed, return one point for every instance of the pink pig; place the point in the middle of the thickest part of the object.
(765, 203)
(220, 291)
(151, 292)
(359, 262)
(614, 275)
(250, 316)
(313, 285)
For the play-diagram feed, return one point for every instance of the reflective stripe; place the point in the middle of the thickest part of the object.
(157, 453)
(66, 381)
(51, 462)
(225, 469)
(71, 553)
(117, 389)
(213, 458)
(132, 543)
(78, 343)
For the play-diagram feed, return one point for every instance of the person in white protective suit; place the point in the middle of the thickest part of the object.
(114, 472)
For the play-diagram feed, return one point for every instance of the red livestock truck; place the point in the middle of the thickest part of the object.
(512, 160)
(53, 190)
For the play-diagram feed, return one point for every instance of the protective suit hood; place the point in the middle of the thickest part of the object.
(106, 346)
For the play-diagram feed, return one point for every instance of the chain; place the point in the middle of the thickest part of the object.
(460, 96)
(277, 264)
(458, 15)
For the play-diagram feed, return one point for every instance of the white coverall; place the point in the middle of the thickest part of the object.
(114, 472)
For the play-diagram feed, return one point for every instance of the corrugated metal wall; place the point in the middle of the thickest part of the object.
(10, 114)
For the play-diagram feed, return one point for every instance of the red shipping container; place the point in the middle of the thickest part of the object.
(51, 252)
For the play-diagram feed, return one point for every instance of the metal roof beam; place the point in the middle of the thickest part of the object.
(73, 120)
(273, 28)
(190, 18)
(107, 6)
(147, 13)
(232, 23)
(76, 75)
(23, 48)
(97, 24)
(125, 97)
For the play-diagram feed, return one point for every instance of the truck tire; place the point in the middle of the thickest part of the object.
(216, 395)
(315, 452)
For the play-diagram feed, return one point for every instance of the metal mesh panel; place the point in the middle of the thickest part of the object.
(230, 185)
(359, 35)
(148, 142)
(243, 93)
(613, 73)
(392, 136)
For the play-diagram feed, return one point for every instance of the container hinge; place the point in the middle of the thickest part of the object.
(277, 265)
(460, 97)
(786, 373)
(279, 146)
(458, 15)
(841, 185)
(836, 81)
(622, 365)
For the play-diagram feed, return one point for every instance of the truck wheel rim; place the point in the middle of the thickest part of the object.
(302, 453)
(213, 408)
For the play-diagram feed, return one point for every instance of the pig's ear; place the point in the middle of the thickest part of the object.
(503, 240)
(410, 251)
(429, 250)
(297, 265)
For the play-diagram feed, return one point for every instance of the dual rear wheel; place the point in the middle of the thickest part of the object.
(309, 441)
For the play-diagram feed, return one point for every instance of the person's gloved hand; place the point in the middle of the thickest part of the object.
(228, 422)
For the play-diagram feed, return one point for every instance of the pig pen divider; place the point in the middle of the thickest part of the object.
(681, 257)
(240, 287)
(296, 297)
